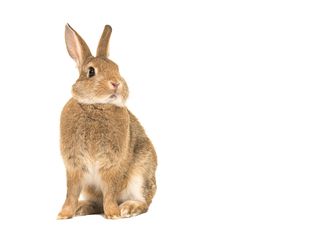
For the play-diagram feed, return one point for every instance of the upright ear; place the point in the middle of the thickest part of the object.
(102, 49)
(76, 46)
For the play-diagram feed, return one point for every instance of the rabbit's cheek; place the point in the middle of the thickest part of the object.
(101, 89)
(74, 91)
(80, 88)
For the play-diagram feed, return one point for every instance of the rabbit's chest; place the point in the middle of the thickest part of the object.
(94, 136)
(97, 136)
(99, 143)
(93, 132)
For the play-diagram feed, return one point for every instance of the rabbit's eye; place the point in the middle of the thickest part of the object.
(91, 72)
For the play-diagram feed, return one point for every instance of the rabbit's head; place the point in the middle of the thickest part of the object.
(99, 80)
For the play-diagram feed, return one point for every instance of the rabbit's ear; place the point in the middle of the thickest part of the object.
(76, 46)
(102, 49)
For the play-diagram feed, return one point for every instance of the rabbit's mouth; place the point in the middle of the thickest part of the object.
(113, 96)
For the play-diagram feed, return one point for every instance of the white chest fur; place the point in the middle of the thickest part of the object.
(133, 191)
(92, 176)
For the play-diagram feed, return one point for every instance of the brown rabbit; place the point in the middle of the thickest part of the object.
(107, 155)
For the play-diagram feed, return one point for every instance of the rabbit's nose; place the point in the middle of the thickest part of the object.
(114, 84)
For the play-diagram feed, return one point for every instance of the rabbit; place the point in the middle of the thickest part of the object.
(108, 157)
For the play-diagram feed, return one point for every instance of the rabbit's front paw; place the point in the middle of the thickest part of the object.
(112, 212)
(65, 214)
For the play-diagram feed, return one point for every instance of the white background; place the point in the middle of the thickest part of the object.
(225, 90)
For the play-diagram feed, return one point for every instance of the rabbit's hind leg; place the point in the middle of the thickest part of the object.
(93, 203)
(132, 200)
(132, 208)
(88, 207)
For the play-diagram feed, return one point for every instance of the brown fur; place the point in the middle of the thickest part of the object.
(99, 134)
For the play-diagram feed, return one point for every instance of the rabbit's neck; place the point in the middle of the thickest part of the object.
(98, 106)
